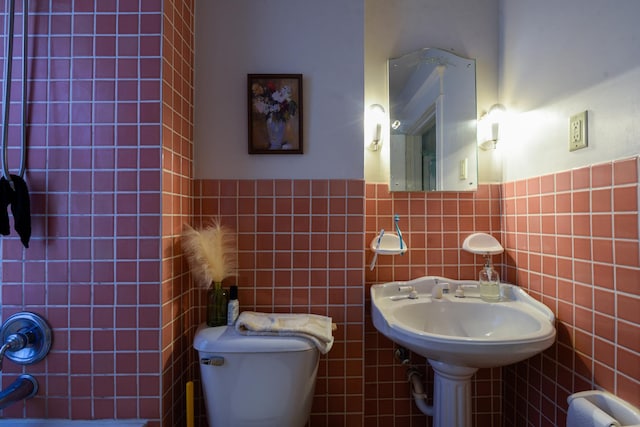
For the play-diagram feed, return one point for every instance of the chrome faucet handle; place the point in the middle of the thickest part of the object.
(3, 350)
(413, 294)
(17, 341)
(14, 342)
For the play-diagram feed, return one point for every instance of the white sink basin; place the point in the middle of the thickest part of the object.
(460, 335)
(465, 331)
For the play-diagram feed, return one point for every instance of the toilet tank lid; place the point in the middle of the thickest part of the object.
(225, 339)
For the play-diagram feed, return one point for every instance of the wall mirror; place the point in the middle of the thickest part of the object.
(432, 109)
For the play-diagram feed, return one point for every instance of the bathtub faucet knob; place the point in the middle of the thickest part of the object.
(25, 338)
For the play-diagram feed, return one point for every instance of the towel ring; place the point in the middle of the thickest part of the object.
(7, 89)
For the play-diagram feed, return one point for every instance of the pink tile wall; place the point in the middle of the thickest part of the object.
(122, 341)
(179, 301)
(563, 233)
(93, 170)
(434, 226)
(301, 250)
(571, 240)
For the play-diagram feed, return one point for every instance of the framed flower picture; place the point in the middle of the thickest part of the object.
(275, 113)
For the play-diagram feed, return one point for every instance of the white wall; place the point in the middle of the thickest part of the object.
(393, 28)
(559, 58)
(550, 62)
(323, 40)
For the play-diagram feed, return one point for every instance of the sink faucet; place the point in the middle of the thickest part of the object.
(439, 289)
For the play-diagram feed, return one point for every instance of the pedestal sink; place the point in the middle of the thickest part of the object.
(459, 333)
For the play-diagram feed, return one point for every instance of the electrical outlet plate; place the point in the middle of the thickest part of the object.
(578, 131)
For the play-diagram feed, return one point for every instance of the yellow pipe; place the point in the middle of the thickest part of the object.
(190, 404)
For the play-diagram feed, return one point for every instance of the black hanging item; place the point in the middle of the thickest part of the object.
(5, 201)
(18, 198)
(13, 188)
(21, 209)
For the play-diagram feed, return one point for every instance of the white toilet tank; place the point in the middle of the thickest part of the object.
(256, 381)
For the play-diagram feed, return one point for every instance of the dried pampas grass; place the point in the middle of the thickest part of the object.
(211, 252)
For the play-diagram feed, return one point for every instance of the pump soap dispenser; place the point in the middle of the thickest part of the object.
(486, 245)
(489, 282)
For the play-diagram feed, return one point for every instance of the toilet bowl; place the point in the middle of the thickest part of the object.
(255, 381)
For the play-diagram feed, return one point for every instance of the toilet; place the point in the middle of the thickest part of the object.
(255, 381)
(595, 408)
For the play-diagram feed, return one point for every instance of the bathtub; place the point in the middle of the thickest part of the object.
(26, 422)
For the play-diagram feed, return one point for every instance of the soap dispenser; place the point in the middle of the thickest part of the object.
(489, 282)
(485, 245)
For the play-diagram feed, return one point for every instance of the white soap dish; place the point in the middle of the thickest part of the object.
(389, 245)
(482, 244)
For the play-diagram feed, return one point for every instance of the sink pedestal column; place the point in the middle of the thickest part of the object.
(451, 395)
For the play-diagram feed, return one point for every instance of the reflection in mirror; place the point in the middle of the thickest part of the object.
(432, 100)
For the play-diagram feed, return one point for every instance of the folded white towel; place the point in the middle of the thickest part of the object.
(314, 327)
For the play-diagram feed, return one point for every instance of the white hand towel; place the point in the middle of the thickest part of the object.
(583, 413)
(314, 327)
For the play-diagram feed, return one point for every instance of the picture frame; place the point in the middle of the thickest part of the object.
(275, 113)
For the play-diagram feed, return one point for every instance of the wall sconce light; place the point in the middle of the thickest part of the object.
(489, 127)
(375, 119)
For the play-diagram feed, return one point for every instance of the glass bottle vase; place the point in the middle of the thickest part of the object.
(217, 301)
